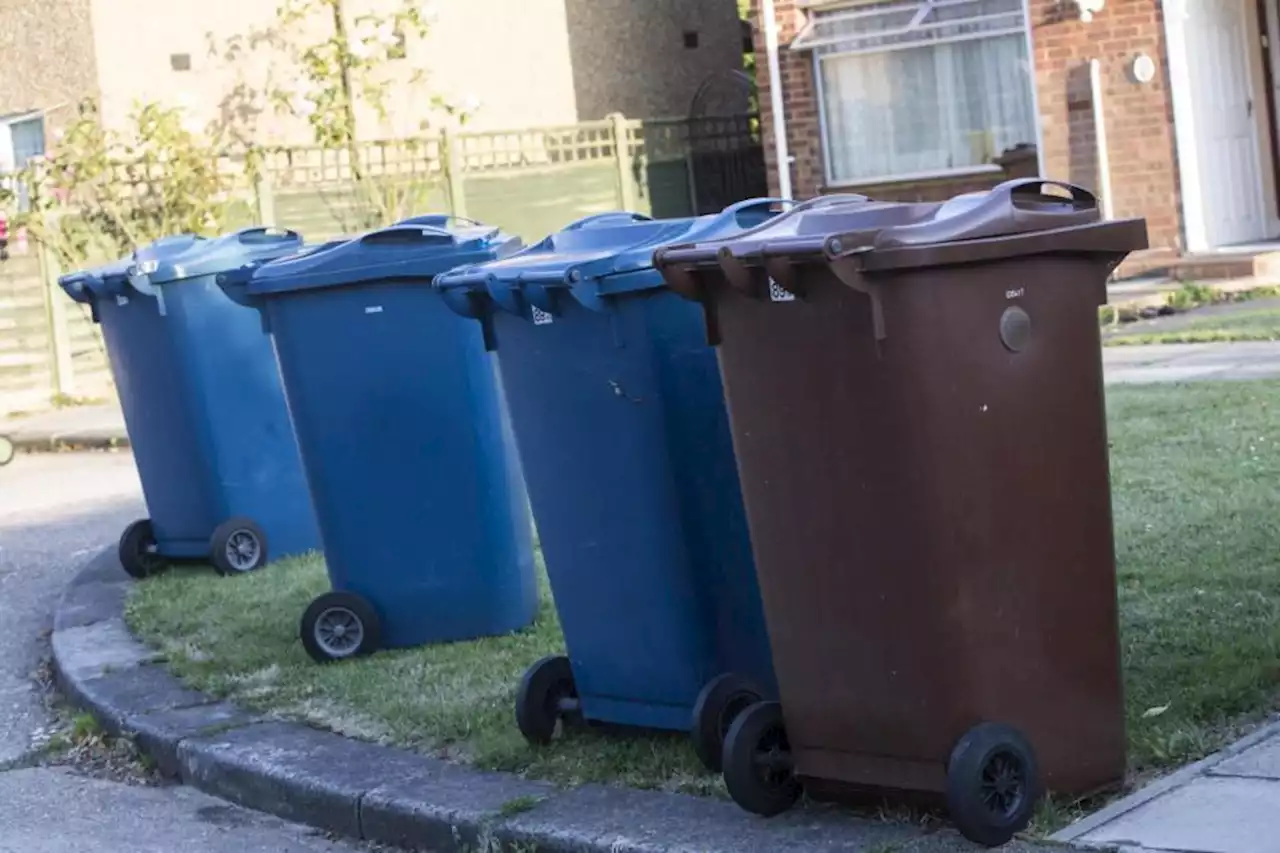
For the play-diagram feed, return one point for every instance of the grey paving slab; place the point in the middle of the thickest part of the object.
(1208, 815)
(1260, 762)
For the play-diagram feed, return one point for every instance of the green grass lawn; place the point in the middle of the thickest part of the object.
(1196, 473)
(1261, 324)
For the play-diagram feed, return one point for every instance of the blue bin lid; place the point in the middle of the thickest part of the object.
(187, 256)
(106, 280)
(417, 250)
(602, 255)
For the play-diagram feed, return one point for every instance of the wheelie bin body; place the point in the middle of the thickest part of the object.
(618, 411)
(407, 450)
(917, 405)
(202, 403)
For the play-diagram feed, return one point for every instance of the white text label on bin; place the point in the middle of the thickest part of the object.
(778, 293)
(373, 309)
(122, 300)
(540, 317)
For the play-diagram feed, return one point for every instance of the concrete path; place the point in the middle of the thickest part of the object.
(99, 425)
(1228, 803)
(56, 511)
(1191, 362)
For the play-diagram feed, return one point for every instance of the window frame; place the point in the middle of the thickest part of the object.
(799, 43)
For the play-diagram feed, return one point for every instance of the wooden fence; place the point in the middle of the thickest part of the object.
(530, 182)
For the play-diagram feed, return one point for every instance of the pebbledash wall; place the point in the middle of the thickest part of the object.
(1139, 118)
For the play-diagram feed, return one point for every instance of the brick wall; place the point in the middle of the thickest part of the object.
(800, 102)
(1139, 116)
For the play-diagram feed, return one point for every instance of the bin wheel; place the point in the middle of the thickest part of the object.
(992, 784)
(547, 696)
(340, 626)
(6, 450)
(758, 768)
(138, 553)
(719, 704)
(237, 546)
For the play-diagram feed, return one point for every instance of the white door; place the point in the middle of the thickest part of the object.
(1220, 47)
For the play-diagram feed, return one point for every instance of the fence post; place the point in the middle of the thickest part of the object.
(628, 193)
(453, 172)
(265, 196)
(55, 307)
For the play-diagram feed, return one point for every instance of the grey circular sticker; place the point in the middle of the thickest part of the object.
(1015, 328)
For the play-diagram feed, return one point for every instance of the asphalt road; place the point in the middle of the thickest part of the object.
(56, 511)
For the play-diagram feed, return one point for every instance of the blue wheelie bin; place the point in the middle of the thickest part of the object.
(405, 441)
(203, 405)
(618, 411)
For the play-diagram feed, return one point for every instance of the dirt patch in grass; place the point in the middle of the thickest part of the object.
(1196, 474)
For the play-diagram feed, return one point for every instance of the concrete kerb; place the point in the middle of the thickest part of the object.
(65, 442)
(395, 797)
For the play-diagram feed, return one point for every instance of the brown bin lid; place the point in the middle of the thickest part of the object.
(854, 235)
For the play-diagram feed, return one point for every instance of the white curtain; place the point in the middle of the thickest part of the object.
(928, 109)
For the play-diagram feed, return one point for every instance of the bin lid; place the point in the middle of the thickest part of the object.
(83, 285)
(414, 250)
(1018, 217)
(610, 253)
(186, 256)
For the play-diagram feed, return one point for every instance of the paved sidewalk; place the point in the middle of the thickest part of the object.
(1191, 362)
(1228, 803)
(103, 426)
(94, 426)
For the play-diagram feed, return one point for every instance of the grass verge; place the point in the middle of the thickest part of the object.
(1196, 474)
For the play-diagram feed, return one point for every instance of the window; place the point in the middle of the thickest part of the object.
(915, 89)
(691, 39)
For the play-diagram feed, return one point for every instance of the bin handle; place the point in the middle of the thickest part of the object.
(606, 218)
(408, 235)
(1010, 208)
(441, 218)
(268, 234)
(1029, 195)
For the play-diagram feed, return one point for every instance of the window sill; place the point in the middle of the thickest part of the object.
(914, 177)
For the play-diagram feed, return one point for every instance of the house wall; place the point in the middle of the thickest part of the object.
(47, 56)
(1144, 174)
(510, 58)
(1139, 116)
(629, 55)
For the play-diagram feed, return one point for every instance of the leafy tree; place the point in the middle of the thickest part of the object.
(102, 192)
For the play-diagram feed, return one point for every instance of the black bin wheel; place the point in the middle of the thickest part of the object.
(993, 784)
(6, 450)
(340, 626)
(545, 690)
(137, 551)
(758, 768)
(238, 546)
(719, 704)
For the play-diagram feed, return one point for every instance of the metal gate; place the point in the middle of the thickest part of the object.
(726, 151)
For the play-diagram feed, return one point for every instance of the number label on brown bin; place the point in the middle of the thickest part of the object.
(778, 293)
(1016, 293)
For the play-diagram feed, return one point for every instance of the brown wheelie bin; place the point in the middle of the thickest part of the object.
(917, 407)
